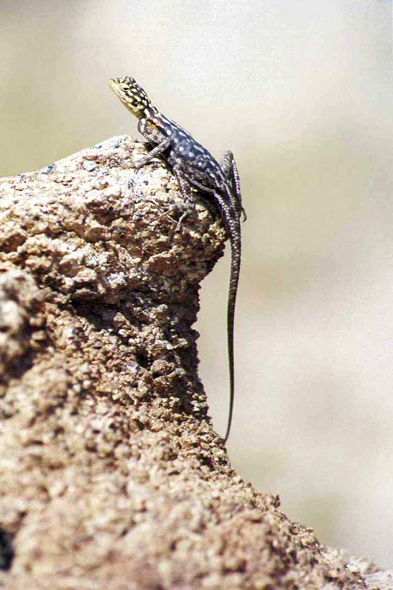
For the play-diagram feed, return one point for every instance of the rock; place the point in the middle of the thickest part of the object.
(111, 475)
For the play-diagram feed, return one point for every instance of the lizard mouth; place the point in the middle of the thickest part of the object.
(127, 98)
(115, 87)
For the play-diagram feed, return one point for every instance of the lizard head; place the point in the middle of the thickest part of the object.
(131, 95)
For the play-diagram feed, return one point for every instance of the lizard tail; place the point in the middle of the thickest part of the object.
(235, 239)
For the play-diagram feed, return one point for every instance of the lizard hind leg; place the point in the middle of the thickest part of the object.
(186, 192)
(229, 168)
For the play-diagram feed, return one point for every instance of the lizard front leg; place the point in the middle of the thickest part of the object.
(159, 150)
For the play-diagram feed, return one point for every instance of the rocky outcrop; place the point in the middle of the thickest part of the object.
(111, 475)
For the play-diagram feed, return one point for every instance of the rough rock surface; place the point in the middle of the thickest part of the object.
(110, 473)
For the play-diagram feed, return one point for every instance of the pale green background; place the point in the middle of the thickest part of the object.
(301, 91)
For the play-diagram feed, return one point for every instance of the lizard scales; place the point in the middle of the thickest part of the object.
(194, 167)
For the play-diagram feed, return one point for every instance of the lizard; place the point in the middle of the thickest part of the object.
(194, 168)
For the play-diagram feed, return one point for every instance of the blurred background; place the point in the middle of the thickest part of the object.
(301, 91)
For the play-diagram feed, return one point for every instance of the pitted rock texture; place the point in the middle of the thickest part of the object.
(111, 475)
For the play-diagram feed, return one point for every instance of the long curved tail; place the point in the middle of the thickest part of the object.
(235, 239)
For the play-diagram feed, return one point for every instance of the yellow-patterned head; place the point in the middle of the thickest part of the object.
(131, 95)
